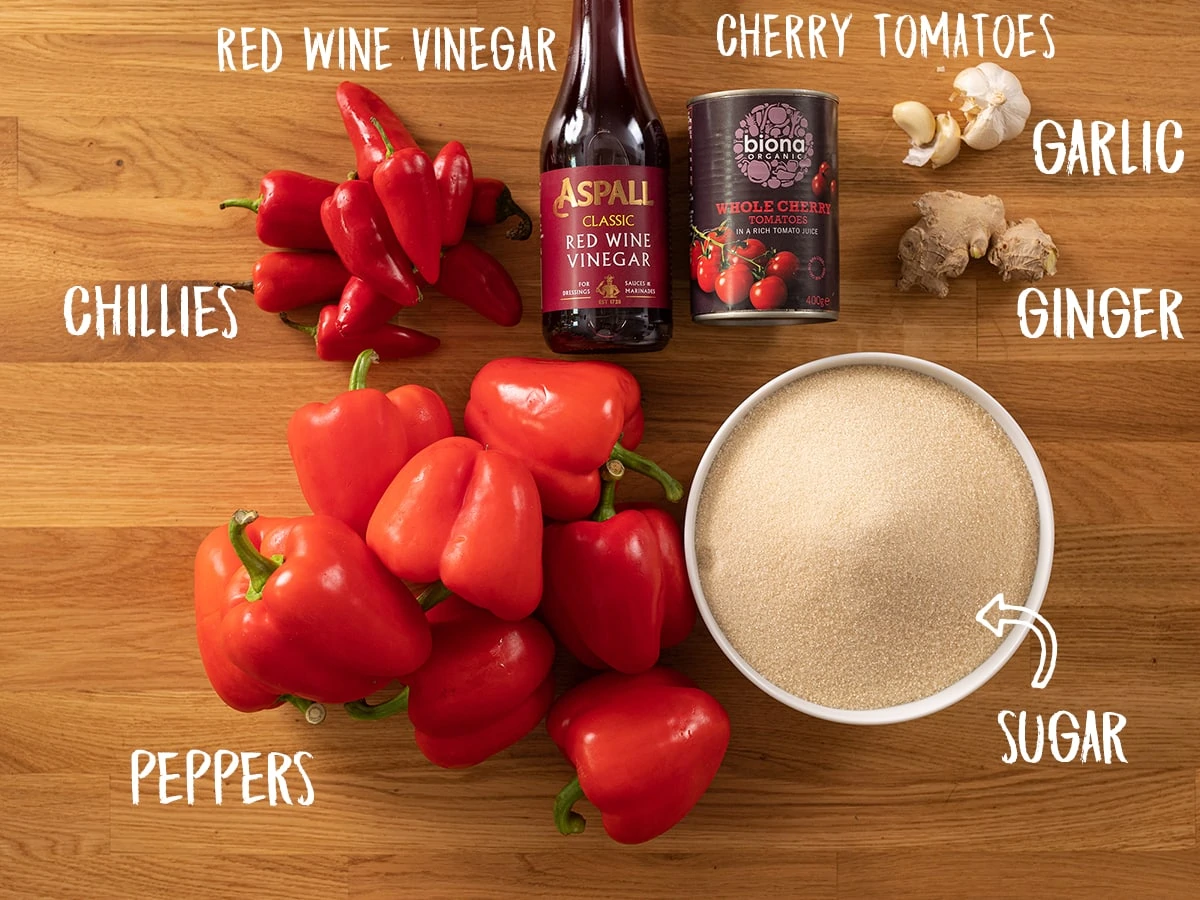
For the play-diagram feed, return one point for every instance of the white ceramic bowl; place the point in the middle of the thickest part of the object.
(1041, 577)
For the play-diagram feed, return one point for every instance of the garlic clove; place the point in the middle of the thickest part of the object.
(948, 141)
(942, 149)
(916, 120)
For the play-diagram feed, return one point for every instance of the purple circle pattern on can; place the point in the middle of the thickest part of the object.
(784, 125)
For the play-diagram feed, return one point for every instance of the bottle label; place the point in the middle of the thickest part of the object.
(604, 238)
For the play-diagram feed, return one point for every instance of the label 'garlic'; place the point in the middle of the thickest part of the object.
(994, 103)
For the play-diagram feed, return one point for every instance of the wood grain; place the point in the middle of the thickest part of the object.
(117, 138)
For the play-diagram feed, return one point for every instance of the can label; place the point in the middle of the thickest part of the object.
(764, 206)
(604, 238)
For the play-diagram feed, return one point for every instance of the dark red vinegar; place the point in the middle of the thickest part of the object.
(604, 117)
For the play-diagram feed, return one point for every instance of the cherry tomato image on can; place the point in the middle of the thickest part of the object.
(784, 265)
(833, 187)
(733, 285)
(715, 242)
(751, 248)
(770, 293)
(706, 274)
(825, 169)
(697, 253)
(820, 186)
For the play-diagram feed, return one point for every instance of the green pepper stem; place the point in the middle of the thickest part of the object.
(433, 595)
(506, 207)
(310, 330)
(387, 144)
(358, 375)
(258, 566)
(314, 712)
(610, 473)
(639, 463)
(365, 712)
(236, 285)
(251, 203)
(567, 820)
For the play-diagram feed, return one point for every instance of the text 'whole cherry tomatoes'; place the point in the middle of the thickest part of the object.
(733, 285)
(770, 293)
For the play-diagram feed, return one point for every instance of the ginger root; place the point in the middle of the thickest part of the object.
(956, 228)
(1024, 252)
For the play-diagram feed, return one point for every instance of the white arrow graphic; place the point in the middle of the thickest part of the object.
(1036, 623)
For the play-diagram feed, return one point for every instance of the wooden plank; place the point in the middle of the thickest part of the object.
(53, 815)
(595, 872)
(202, 873)
(946, 876)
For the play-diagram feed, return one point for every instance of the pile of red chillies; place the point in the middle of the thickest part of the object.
(454, 565)
(367, 248)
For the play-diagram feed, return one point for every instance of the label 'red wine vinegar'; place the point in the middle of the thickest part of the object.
(604, 238)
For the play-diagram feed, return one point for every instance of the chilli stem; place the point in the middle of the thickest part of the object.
(638, 463)
(365, 712)
(251, 203)
(258, 566)
(358, 374)
(314, 712)
(610, 473)
(387, 144)
(433, 595)
(567, 820)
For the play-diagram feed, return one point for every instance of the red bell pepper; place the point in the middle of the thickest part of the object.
(346, 452)
(362, 308)
(322, 619)
(456, 186)
(426, 418)
(216, 562)
(486, 685)
(409, 192)
(564, 420)
(288, 210)
(469, 517)
(492, 202)
(285, 281)
(358, 106)
(357, 225)
(616, 587)
(389, 341)
(645, 748)
(475, 278)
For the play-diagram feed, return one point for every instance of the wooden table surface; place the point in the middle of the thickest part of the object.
(118, 136)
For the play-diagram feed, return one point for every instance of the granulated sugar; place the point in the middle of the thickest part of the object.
(852, 526)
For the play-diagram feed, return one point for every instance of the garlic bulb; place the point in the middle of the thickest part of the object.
(994, 103)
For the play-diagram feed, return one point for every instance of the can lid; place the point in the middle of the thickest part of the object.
(763, 92)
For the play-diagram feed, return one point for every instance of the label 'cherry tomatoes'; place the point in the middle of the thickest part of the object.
(785, 265)
(770, 293)
(706, 274)
(733, 285)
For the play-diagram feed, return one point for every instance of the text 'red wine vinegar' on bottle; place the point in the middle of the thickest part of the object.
(606, 283)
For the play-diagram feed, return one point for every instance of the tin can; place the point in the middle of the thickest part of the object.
(764, 224)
